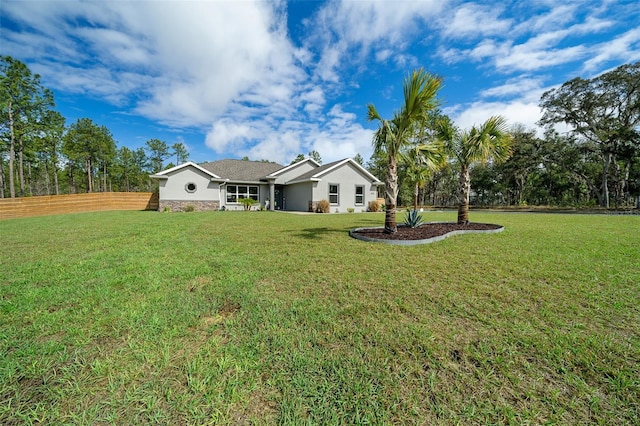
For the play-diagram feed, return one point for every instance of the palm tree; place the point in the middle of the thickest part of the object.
(489, 142)
(392, 136)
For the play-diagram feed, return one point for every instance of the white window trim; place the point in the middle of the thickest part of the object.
(337, 194)
(359, 195)
(236, 193)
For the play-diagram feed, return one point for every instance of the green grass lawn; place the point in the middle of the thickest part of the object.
(265, 318)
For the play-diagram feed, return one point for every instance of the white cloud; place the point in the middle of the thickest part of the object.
(345, 32)
(474, 21)
(226, 134)
(557, 16)
(525, 57)
(542, 39)
(338, 137)
(185, 62)
(516, 112)
(525, 86)
(368, 22)
(625, 47)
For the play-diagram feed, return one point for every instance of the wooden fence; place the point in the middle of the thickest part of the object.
(76, 203)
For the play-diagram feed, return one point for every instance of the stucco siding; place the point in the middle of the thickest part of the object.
(298, 196)
(175, 187)
(347, 178)
(294, 172)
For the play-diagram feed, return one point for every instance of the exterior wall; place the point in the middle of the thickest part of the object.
(264, 196)
(298, 196)
(294, 172)
(173, 188)
(347, 177)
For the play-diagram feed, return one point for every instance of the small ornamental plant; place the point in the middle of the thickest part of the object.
(374, 206)
(247, 203)
(413, 219)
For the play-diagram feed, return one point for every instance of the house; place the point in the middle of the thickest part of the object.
(296, 187)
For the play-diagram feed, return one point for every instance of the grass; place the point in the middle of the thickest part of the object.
(265, 318)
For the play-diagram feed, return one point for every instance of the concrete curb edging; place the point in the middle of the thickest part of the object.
(418, 242)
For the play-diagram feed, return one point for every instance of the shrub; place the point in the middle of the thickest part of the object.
(323, 206)
(413, 219)
(374, 206)
(189, 208)
(247, 203)
(351, 209)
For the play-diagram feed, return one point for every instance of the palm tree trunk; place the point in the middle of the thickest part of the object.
(464, 190)
(391, 195)
(416, 191)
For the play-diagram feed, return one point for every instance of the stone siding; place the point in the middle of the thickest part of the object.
(179, 206)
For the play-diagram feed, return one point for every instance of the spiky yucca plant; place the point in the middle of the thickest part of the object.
(413, 219)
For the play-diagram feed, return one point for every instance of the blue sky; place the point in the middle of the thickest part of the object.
(270, 79)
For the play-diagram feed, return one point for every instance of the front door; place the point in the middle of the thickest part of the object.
(279, 193)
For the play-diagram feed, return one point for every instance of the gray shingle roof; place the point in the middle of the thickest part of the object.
(241, 170)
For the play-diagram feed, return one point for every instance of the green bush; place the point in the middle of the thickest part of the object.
(189, 208)
(351, 209)
(323, 206)
(247, 203)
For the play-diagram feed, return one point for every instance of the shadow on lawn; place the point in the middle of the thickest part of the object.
(321, 232)
(318, 233)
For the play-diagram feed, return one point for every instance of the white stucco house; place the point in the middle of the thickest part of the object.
(296, 187)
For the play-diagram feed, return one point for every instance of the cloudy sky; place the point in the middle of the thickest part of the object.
(271, 79)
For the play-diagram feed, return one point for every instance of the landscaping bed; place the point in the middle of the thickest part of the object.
(423, 232)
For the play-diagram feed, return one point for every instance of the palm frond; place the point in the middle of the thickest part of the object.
(372, 113)
(431, 155)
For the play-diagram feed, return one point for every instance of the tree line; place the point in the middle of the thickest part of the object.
(41, 155)
(589, 154)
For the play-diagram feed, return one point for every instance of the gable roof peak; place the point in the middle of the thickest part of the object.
(294, 165)
(166, 172)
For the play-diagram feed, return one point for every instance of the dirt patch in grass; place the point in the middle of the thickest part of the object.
(228, 309)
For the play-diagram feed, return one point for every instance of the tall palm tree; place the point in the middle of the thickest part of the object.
(392, 136)
(489, 142)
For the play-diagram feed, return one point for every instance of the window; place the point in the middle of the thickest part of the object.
(333, 193)
(359, 195)
(236, 192)
(190, 187)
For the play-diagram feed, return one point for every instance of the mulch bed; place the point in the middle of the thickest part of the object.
(423, 232)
